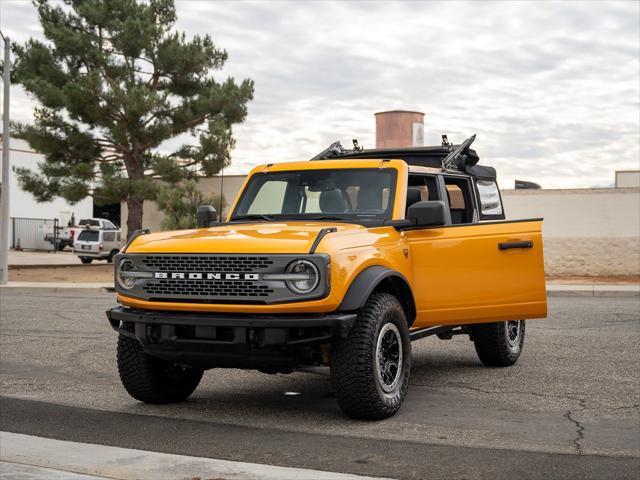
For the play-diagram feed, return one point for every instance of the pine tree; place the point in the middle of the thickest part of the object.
(179, 203)
(114, 83)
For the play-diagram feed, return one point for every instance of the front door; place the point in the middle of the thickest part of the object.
(468, 272)
(478, 273)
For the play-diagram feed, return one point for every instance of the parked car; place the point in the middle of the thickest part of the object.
(66, 235)
(97, 244)
(340, 262)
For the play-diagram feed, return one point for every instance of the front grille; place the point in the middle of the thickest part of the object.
(199, 289)
(210, 278)
(177, 263)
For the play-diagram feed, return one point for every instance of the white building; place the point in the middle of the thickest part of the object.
(23, 204)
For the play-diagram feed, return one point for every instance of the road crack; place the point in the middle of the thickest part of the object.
(569, 415)
(579, 400)
(577, 442)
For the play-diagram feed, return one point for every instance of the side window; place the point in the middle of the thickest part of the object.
(118, 237)
(422, 188)
(109, 226)
(490, 200)
(109, 236)
(426, 184)
(460, 200)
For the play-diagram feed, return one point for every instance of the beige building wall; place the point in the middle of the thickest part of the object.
(586, 232)
(628, 179)
(152, 217)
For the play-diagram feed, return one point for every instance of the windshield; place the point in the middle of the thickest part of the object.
(355, 195)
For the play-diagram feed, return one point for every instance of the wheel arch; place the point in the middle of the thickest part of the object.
(379, 279)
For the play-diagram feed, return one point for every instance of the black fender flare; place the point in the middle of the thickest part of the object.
(368, 280)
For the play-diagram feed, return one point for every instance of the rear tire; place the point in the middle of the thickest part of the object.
(153, 380)
(499, 344)
(370, 368)
(86, 259)
(112, 254)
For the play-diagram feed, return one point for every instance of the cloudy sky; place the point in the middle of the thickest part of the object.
(551, 89)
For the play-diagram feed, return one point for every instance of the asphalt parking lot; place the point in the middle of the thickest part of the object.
(570, 407)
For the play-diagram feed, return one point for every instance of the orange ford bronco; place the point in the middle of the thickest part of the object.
(341, 262)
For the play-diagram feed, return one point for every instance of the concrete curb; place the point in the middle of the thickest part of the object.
(129, 464)
(52, 287)
(553, 290)
(593, 290)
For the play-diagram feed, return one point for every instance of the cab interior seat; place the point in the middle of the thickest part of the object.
(333, 201)
(369, 199)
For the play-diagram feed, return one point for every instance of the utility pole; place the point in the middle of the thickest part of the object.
(4, 201)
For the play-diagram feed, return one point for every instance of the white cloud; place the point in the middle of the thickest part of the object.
(552, 89)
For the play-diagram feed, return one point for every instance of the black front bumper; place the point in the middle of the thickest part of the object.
(274, 342)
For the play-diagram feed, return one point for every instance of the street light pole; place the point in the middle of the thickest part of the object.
(4, 200)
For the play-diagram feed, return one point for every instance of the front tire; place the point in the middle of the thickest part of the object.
(153, 380)
(499, 344)
(370, 368)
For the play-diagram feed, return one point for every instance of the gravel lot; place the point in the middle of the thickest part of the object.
(571, 405)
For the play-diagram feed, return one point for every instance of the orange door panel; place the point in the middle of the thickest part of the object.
(461, 274)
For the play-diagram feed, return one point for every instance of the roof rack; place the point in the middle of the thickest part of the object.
(449, 157)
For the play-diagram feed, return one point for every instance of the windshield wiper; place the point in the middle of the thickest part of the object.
(266, 218)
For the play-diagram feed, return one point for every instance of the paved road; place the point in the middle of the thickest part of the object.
(570, 407)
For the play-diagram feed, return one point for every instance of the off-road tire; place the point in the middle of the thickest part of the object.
(86, 259)
(153, 380)
(354, 374)
(494, 346)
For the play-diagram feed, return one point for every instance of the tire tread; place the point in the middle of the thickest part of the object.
(352, 363)
(144, 378)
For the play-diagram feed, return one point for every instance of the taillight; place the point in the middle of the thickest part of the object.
(101, 247)
(73, 234)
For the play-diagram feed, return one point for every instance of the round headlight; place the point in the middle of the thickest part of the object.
(124, 280)
(305, 276)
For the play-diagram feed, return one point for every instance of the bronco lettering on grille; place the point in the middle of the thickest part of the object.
(207, 276)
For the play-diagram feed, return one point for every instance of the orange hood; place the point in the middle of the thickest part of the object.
(265, 237)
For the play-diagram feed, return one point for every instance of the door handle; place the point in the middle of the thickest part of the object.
(510, 245)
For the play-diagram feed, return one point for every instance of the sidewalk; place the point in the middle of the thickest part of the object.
(553, 289)
(37, 458)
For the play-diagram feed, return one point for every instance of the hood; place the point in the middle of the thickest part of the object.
(265, 237)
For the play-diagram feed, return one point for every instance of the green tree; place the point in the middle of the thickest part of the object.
(180, 201)
(114, 83)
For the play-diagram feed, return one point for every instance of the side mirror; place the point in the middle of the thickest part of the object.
(428, 213)
(206, 216)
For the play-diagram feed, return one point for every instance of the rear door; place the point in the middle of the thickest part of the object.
(87, 242)
(469, 272)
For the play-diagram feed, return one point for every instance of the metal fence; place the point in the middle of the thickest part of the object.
(34, 234)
